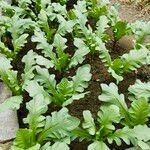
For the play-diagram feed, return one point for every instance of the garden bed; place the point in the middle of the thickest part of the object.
(95, 75)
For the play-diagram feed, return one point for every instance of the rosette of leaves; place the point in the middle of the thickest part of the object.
(42, 130)
(96, 8)
(83, 30)
(141, 31)
(55, 52)
(46, 14)
(11, 77)
(62, 93)
(103, 131)
(139, 89)
(15, 34)
(120, 28)
(128, 62)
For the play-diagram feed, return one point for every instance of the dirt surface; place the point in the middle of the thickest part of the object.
(131, 12)
(100, 75)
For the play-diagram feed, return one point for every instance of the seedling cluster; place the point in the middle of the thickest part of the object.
(41, 43)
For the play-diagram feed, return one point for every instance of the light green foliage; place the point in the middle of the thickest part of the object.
(141, 30)
(9, 76)
(62, 38)
(11, 103)
(43, 128)
(114, 111)
(56, 52)
(88, 123)
(139, 111)
(17, 27)
(65, 91)
(140, 89)
(128, 62)
(59, 58)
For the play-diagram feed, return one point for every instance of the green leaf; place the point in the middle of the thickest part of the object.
(24, 139)
(108, 115)
(11, 103)
(134, 59)
(118, 78)
(141, 132)
(9, 76)
(53, 127)
(36, 108)
(120, 29)
(103, 52)
(65, 87)
(30, 61)
(64, 25)
(36, 147)
(6, 51)
(81, 78)
(98, 145)
(128, 62)
(55, 146)
(141, 29)
(126, 134)
(110, 95)
(19, 43)
(40, 60)
(88, 123)
(82, 134)
(42, 44)
(45, 79)
(139, 111)
(143, 145)
(140, 89)
(60, 9)
(4, 64)
(59, 43)
(34, 89)
(80, 53)
(102, 25)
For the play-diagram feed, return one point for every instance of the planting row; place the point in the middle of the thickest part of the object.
(42, 43)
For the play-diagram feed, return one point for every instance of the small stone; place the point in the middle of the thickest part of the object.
(6, 146)
(8, 119)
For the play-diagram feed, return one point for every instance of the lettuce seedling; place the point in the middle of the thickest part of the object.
(42, 129)
(141, 30)
(128, 62)
(120, 28)
(17, 29)
(113, 112)
(63, 93)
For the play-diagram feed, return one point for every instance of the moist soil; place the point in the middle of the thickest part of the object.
(99, 76)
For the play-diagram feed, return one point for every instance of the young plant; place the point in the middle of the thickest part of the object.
(11, 103)
(141, 30)
(63, 93)
(84, 30)
(137, 114)
(128, 62)
(114, 112)
(120, 28)
(140, 89)
(56, 52)
(16, 28)
(42, 130)
(11, 77)
(96, 8)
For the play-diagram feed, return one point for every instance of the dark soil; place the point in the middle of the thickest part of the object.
(99, 75)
